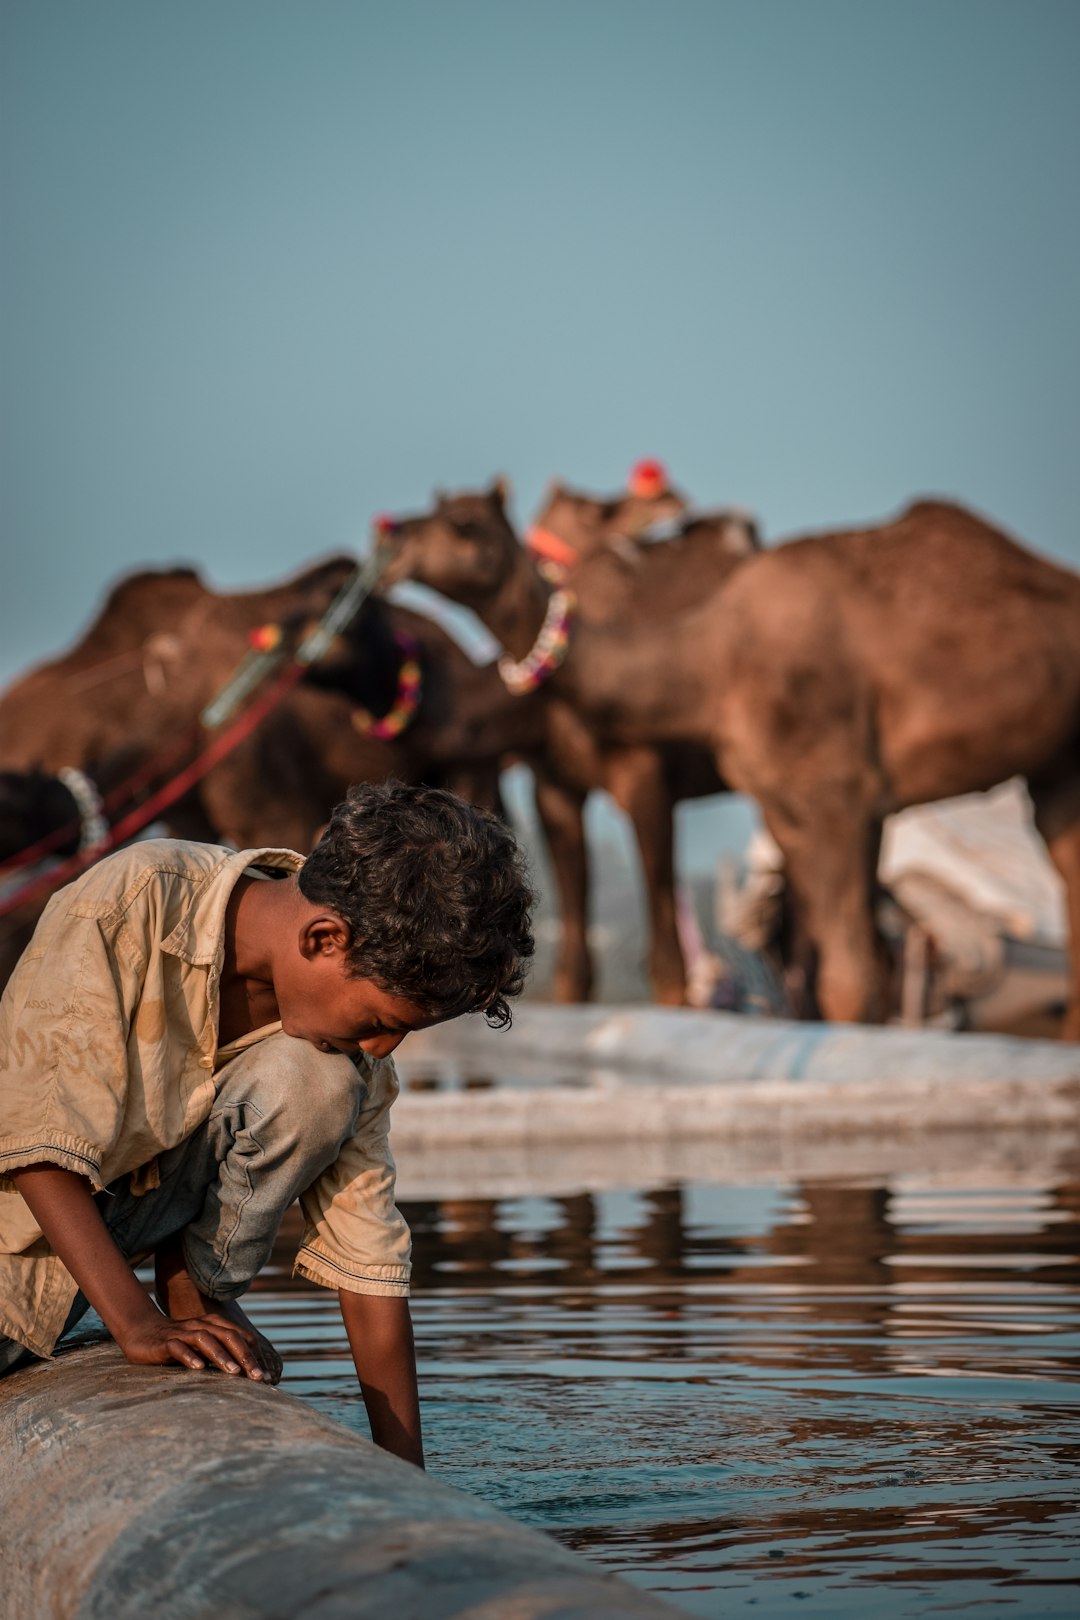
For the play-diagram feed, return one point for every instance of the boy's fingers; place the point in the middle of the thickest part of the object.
(235, 1340)
(220, 1354)
(225, 1345)
(271, 1364)
(246, 1345)
(183, 1353)
(247, 1354)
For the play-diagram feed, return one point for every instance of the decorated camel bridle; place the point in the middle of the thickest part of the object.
(524, 675)
(93, 822)
(555, 558)
(410, 687)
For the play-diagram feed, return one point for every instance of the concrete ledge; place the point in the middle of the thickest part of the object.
(128, 1491)
(432, 1168)
(604, 1074)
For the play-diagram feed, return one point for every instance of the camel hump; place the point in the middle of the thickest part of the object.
(961, 521)
(139, 603)
(936, 509)
(148, 587)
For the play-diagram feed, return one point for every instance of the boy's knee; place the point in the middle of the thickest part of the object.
(308, 1097)
(329, 1100)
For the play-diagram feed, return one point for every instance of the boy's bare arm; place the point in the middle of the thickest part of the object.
(63, 1206)
(381, 1339)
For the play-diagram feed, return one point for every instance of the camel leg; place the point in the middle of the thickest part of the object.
(479, 785)
(798, 959)
(562, 816)
(1056, 797)
(831, 861)
(636, 781)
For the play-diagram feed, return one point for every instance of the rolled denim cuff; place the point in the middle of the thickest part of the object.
(218, 1287)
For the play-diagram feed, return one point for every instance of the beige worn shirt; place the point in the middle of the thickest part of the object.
(108, 1055)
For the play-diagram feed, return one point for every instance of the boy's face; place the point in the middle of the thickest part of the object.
(320, 1001)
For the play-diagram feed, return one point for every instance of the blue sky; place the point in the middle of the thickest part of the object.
(267, 268)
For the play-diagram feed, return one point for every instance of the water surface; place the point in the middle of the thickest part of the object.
(826, 1397)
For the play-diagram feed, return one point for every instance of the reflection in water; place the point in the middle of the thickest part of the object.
(839, 1394)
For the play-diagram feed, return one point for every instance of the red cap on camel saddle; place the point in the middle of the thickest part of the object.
(648, 479)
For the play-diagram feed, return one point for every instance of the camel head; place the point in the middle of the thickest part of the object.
(464, 547)
(585, 523)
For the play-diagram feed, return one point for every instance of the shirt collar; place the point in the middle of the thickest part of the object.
(198, 936)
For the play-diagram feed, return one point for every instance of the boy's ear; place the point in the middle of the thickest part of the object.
(325, 935)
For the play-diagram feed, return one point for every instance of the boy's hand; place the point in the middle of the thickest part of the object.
(180, 1299)
(194, 1333)
(193, 1342)
(267, 1357)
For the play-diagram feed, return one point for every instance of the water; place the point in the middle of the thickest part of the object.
(824, 1398)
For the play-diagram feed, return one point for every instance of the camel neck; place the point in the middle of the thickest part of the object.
(638, 687)
(643, 687)
(515, 614)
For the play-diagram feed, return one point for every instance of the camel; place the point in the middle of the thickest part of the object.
(164, 643)
(129, 682)
(633, 577)
(595, 545)
(572, 524)
(835, 678)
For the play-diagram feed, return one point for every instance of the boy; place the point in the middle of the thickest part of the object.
(188, 1045)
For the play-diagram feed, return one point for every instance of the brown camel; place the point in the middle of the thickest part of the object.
(836, 678)
(109, 703)
(164, 643)
(584, 523)
(632, 579)
(595, 544)
(617, 580)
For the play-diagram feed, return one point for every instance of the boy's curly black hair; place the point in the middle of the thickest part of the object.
(436, 894)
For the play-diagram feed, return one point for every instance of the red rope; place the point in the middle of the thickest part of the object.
(342, 610)
(165, 796)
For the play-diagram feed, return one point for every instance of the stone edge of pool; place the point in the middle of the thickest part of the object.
(128, 1490)
(588, 1073)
